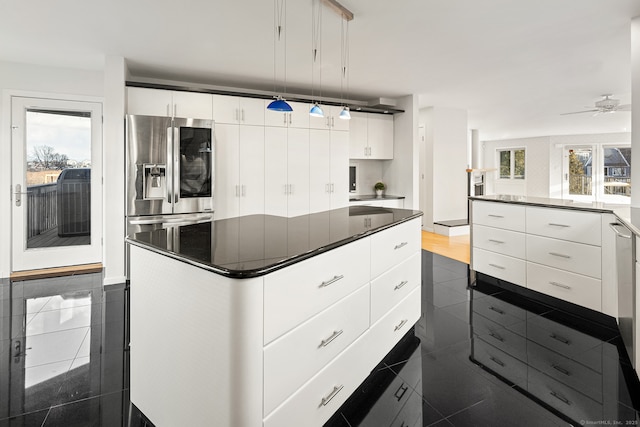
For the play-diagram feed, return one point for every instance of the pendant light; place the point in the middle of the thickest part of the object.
(279, 15)
(316, 42)
(344, 50)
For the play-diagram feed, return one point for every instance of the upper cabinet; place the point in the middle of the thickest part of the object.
(238, 110)
(156, 102)
(371, 136)
(331, 119)
(298, 118)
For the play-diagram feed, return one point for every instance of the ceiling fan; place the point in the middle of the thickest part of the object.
(605, 105)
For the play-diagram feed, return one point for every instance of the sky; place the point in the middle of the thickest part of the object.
(70, 135)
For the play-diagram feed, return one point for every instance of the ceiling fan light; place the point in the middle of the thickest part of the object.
(316, 111)
(279, 104)
(345, 114)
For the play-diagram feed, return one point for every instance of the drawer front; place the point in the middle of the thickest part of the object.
(390, 403)
(500, 215)
(501, 266)
(565, 399)
(496, 335)
(387, 331)
(392, 246)
(394, 285)
(565, 224)
(575, 288)
(316, 342)
(500, 362)
(568, 342)
(570, 256)
(565, 370)
(501, 312)
(294, 294)
(505, 242)
(316, 401)
(411, 414)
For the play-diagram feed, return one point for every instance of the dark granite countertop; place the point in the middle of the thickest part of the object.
(368, 197)
(255, 245)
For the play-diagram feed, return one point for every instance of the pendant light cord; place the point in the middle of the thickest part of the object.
(344, 40)
(279, 12)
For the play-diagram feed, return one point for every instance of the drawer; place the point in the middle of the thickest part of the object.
(572, 287)
(392, 246)
(568, 342)
(411, 414)
(394, 285)
(505, 242)
(565, 370)
(565, 399)
(500, 215)
(501, 312)
(317, 400)
(500, 362)
(296, 293)
(503, 267)
(315, 342)
(570, 256)
(386, 332)
(496, 335)
(565, 224)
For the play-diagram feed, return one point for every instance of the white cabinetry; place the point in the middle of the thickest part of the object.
(331, 119)
(329, 170)
(156, 102)
(240, 110)
(371, 136)
(298, 118)
(383, 203)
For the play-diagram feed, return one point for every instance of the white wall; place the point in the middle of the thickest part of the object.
(38, 81)
(368, 173)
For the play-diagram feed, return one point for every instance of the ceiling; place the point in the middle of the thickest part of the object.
(513, 65)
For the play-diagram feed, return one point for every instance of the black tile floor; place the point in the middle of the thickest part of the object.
(64, 362)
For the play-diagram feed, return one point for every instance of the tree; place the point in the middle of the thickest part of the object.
(578, 181)
(44, 157)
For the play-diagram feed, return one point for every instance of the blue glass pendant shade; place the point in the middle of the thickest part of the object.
(316, 111)
(279, 104)
(345, 114)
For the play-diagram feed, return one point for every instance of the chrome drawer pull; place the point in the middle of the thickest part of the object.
(560, 397)
(495, 216)
(328, 282)
(401, 245)
(561, 370)
(497, 266)
(559, 338)
(401, 284)
(497, 361)
(496, 336)
(497, 310)
(559, 255)
(402, 388)
(560, 285)
(334, 392)
(496, 241)
(333, 336)
(400, 325)
(559, 225)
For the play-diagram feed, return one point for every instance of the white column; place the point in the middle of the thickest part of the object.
(635, 111)
(476, 149)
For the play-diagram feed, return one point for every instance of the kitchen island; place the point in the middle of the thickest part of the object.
(265, 320)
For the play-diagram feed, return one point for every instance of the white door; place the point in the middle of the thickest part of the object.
(320, 170)
(251, 170)
(227, 186)
(298, 171)
(579, 168)
(56, 181)
(339, 169)
(276, 182)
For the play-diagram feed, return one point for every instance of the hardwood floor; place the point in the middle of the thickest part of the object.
(456, 247)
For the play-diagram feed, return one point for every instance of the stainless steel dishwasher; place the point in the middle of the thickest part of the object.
(625, 256)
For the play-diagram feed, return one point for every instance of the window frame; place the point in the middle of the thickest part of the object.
(512, 161)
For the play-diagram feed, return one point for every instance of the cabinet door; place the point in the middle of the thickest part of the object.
(380, 136)
(193, 105)
(226, 187)
(336, 122)
(339, 169)
(275, 118)
(226, 109)
(320, 122)
(275, 171)
(299, 117)
(319, 170)
(298, 171)
(358, 148)
(149, 102)
(252, 111)
(251, 170)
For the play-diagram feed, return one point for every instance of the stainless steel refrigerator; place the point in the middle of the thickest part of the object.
(169, 171)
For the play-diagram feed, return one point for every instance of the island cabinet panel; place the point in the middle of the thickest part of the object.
(504, 242)
(390, 247)
(499, 215)
(296, 293)
(580, 227)
(392, 286)
(503, 267)
(317, 341)
(569, 256)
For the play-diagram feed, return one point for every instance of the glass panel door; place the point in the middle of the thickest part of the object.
(195, 162)
(616, 183)
(578, 182)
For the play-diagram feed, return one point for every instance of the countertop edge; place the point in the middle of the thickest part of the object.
(370, 197)
(248, 274)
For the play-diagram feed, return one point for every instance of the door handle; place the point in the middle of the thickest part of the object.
(18, 193)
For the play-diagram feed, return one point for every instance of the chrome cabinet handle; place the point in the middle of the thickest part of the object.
(560, 255)
(242, 119)
(496, 241)
(365, 151)
(332, 188)
(400, 325)
(284, 117)
(285, 188)
(560, 397)
(559, 338)
(553, 224)
(560, 285)
(495, 216)
(333, 336)
(244, 190)
(496, 336)
(326, 188)
(290, 116)
(496, 361)
(497, 310)
(498, 266)
(237, 191)
(334, 392)
(401, 245)
(329, 282)
(561, 370)
(400, 285)
(402, 390)
(613, 227)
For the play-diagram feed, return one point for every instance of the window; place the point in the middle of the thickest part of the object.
(512, 163)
